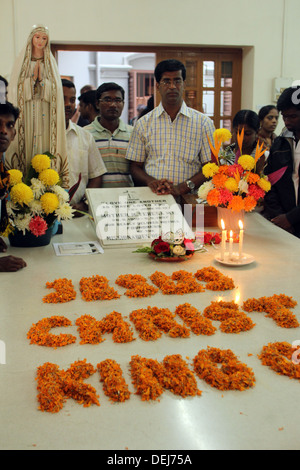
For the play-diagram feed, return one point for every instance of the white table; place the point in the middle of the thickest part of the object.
(264, 417)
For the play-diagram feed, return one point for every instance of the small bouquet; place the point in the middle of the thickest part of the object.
(170, 246)
(37, 202)
(236, 186)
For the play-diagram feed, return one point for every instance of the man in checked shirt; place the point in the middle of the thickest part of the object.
(169, 145)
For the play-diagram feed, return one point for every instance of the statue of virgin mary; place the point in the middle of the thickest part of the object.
(35, 88)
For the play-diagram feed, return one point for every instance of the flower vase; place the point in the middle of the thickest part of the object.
(231, 219)
(18, 239)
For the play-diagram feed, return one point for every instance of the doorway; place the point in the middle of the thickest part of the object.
(213, 83)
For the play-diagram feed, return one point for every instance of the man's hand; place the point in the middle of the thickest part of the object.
(80, 206)
(282, 221)
(162, 186)
(11, 264)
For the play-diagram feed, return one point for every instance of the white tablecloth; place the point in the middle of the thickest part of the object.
(266, 416)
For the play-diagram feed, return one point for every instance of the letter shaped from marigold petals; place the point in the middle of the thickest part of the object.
(233, 374)
(97, 288)
(185, 283)
(40, 334)
(55, 386)
(151, 377)
(279, 357)
(114, 384)
(121, 330)
(89, 330)
(136, 285)
(65, 291)
(150, 321)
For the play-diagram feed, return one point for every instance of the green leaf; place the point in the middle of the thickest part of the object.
(144, 249)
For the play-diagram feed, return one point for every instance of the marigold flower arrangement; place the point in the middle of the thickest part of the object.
(236, 186)
(36, 200)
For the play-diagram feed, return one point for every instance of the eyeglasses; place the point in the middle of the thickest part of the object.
(112, 100)
(167, 82)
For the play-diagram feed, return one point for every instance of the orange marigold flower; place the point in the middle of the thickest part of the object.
(249, 203)
(251, 178)
(219, 180)
(213, 197)
(236, 204)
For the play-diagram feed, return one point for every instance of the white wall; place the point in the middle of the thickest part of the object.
(267, 30)
(95, 68)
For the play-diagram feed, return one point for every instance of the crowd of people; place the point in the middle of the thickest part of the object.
(164, 150)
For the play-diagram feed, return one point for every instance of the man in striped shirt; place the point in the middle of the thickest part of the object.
(111, 135)
(169, 145)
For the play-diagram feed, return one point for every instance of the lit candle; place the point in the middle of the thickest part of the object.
(223, 244)
(230, 244)
(241, 239)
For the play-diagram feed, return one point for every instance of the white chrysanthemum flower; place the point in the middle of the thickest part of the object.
(37, 187)
(64, 212)
(204, 189)
(61, 193)
(21, 222)
(243, 186)
(11, 208)
(35, 207)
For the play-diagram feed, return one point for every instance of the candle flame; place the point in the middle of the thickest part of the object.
(241, 224)
(222, 224)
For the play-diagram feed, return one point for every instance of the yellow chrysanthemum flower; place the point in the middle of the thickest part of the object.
(247, 162)
(49, 202)
(264, 184)
(210, 169)
(41, 162)
(232, 185)
(223, 135)
(49, 177)
(15, 177)
(21, 194)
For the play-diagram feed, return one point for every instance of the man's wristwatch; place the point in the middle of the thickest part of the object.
(190, 184)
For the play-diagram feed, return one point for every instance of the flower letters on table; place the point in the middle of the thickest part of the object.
(236, 186)
(219, 368)
(36, 200)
